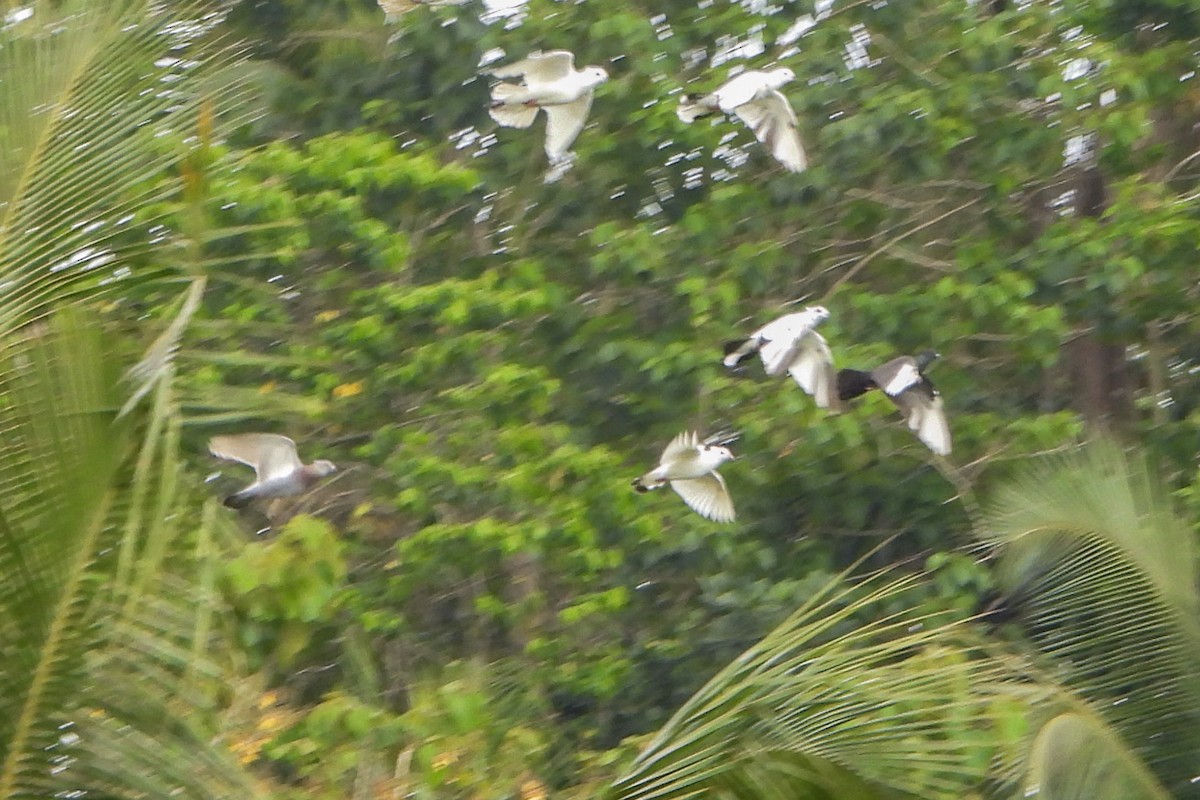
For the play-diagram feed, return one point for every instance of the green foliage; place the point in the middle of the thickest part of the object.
(78, 152)
(107, 602)
(484, 608)
(287, 586)
(496, 356)
(1101, 570)
(112, 672)
(825, 706)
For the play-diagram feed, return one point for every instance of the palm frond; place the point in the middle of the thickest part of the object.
(156, 365)
(86, 138)
(844, 699)
(100, 616)
(1076, 757)
(1102, 573)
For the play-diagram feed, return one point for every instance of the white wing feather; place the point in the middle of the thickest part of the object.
(685, 444)
(907, 375)
(563, 124)
(781, 338)
(774, 123)
(739, 90)
(539, 67)
(928, 421)
(812, 368)
(776, 354)
(271, 455)
(707, 496)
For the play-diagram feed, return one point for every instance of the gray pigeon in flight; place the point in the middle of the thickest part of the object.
(278, 470)
(690, 467)
(903, 381)
(792, 344)
(550, 84)
(755, 98)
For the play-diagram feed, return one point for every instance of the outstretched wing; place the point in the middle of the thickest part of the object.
(781, 339)
(926, 416)
(683, 444)
(739, 90)
(812, 368)
(707, 496)
(539, 66)
(271, 455)
(897, 375)
(774, 124)
(563, 124)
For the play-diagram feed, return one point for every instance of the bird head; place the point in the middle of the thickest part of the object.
(717, 453)
(594, 76)
(322, 468)
(926, 357)
(779, 77)
(821, 313)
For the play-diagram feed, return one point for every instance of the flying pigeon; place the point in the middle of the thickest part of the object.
(690, 466)
(755, 98)
(551, 83)
(278, 470)
(903, 381)
(791, 343)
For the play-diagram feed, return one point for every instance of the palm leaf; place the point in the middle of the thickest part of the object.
(1103, 574)
(86, 138)
(100, 616)
(1077, 757)
(844, 699)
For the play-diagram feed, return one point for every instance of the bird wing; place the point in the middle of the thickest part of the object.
(707, 496)
(540, 67)
(925, 414)
(780, 340)
(812, 368)
(897, 375)
(685, 444)
(774, 124)
(776, 354)
(563, 124)
(739, 90)
(271, 455)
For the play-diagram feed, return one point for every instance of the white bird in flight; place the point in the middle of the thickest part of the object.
(690, 466)
(755, 98)
(279, 472)
(551, 84)
(903, 381)
(791, 343)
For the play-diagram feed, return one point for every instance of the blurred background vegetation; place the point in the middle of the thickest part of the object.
(296, 216)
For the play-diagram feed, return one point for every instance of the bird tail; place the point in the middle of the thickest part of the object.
(508, 110)
(642, 485)
(739, 350)
(853, 382)
(691, 108)
(239, 499)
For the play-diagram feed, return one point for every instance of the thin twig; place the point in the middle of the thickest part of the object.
(892, 242)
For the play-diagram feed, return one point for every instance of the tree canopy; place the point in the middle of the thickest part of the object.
(298, 218)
